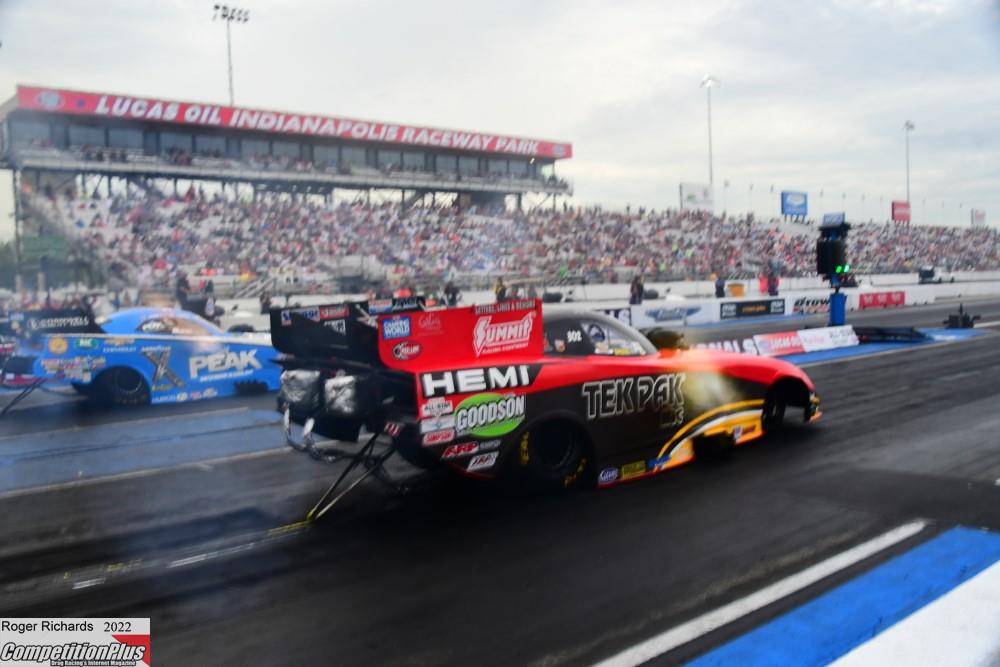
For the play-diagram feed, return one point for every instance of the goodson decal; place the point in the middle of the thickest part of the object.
(625, 396)
(489, 415)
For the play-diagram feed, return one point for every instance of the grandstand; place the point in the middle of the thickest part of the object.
(144, 190)
(57, 140)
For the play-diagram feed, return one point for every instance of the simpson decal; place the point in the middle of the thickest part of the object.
(624, 396)
(489, 415)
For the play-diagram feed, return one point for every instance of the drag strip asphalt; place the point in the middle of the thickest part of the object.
(457, 572)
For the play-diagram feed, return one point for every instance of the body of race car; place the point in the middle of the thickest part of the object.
(143, 355)
(494, 389)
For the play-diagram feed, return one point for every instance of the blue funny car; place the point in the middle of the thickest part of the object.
(148, 355)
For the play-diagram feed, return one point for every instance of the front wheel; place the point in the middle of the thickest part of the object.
(121, 386)
(555, 455)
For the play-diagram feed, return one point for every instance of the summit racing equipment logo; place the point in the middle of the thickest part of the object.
(626, 396)
(811, 305)
(221, 362)
(489, 415)
(468, 380)
(490, 338)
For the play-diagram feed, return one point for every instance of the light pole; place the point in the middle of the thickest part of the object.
(708, 83)
(908, 126)
(229, 14)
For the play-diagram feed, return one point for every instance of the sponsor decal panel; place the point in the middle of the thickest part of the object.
(468, 380)
(438, 437)
(777, 344)
(436, 407)
(662, 394)
(57, 345)
(460, 449)
(307, 313)
(633, 470)
(227, 362)
(607, 476)
(489, 337)
(439, 423)
(406, 350)
(756, 308)
(482, 461)
(811, 305)
(489, 415)
(162, 373)
(429, 324)
(396, 327)
(745, 345)
(891, 299)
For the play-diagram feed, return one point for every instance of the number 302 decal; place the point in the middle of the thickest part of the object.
(573, 336)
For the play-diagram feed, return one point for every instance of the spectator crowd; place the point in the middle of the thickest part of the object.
(161, 236)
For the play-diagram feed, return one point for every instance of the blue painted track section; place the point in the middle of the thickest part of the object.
(833, 624)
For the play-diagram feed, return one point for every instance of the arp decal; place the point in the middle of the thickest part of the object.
(624, 396)
(460, 449)
(477, 379)
(223, 362)
(489, 415)
(161, 360)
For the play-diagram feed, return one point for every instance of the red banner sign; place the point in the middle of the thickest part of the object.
(238, 118)
(901, 211)
(892, 299)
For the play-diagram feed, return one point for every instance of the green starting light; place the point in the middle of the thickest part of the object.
(839, 269)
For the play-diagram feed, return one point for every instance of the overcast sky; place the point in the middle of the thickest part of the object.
(813, 95)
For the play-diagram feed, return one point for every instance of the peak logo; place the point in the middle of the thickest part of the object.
(221, 362)
(490, 338)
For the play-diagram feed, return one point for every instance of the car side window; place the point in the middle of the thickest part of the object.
(156, 325)
(566, 338)
(173, 325)
(609, 338)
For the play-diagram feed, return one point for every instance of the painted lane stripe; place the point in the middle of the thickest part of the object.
(960, 628)
(830, 626)
(713, 620)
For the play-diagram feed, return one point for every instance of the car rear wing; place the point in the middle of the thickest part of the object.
(345, 332)
(457, 337)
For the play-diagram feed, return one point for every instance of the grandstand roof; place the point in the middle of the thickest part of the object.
(209, 115)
